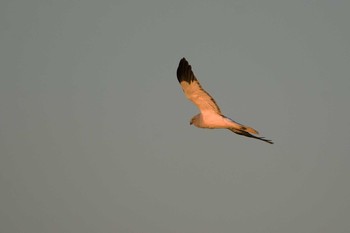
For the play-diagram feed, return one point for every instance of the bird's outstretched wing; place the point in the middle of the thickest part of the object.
(193, 89)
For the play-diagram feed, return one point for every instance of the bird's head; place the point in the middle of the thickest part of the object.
(191, 121)
(194, 120)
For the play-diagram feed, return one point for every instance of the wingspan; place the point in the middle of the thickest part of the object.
(193, 89)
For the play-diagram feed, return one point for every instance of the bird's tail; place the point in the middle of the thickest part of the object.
(245, 133)
(249, 129)
(240, 127)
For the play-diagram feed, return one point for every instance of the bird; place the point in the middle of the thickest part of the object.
(210, 115)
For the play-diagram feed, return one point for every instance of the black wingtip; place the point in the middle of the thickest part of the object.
(184, 71)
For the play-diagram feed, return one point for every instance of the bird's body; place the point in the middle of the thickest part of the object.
(210, 116)
(214, 121)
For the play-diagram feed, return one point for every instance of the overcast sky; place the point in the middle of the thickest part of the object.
(94, 127)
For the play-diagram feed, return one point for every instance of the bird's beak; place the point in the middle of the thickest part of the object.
(191, 122)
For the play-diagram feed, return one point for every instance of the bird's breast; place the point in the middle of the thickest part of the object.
(214, 121)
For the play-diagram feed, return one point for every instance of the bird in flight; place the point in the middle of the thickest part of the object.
(210, 115)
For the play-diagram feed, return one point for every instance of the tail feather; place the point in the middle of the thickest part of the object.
(245, 133)
(241, 127)
(249, 130)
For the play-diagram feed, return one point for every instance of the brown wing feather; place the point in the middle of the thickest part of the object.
(193, 89)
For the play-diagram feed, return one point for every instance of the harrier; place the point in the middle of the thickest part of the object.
(210, 114)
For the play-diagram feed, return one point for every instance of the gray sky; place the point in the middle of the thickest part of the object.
(94, 127)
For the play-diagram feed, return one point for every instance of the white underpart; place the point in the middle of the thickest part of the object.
(213, 120)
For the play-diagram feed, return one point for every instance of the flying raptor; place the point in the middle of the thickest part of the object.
(210, 115)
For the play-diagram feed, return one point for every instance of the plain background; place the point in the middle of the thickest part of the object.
(94, 127)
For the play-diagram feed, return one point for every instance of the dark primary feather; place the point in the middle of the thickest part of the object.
(184, 72)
